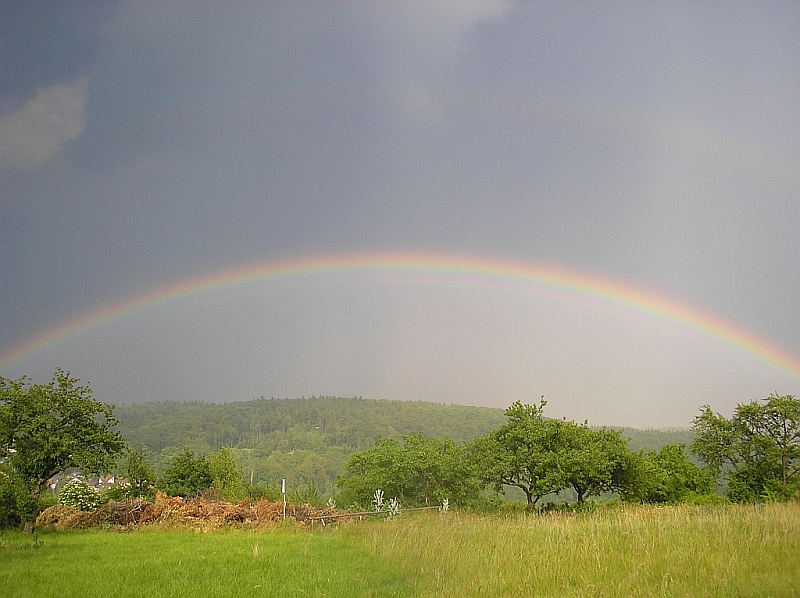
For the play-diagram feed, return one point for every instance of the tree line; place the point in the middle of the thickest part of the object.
(753, 456)
(47, 429)
(539, 456)
(308, 440)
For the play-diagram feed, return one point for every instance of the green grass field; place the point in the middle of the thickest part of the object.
(173, 563)
(622, 551)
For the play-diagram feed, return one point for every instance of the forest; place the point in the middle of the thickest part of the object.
(309, 440)
(351, 451)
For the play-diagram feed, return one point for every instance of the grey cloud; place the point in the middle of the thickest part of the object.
(38, 130)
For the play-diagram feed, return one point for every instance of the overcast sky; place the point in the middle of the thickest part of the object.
(655, 144)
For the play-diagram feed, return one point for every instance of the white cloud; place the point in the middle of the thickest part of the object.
(39, 129)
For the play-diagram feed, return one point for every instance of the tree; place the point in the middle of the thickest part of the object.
(141, 477)
(48, 428)
(593, 460)
(780, 423)
(525, 453)
(666, 476)
(10, 513)
(186, 475)
(758, 449)
(420, 471)
(226, 475)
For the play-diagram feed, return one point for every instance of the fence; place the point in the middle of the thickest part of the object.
(360, 514)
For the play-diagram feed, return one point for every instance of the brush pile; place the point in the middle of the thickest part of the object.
(178, 512)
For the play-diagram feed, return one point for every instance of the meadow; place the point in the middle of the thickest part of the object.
(733, 550)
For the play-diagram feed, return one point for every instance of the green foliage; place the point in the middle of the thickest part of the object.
(311, 439)
(654, 440)
(544, 456)
(141, 478)
(419, 471)
(258, 492)
(296, 439)
(48, 428)
(226, 475)
(522, 453)
(306, 495)
(77, 493)
(186, 475)
(594, 461)
(758, 449)
(9, 511)
(666, 476)
(315, 423)
(17, 504)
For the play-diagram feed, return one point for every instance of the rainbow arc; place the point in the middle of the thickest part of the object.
(440, 268)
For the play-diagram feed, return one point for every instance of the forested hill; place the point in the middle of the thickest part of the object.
(310, 439)
(351, 424)
(288, 424)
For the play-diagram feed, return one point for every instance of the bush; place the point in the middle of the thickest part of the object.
(187, 475)
(708, 499)
(666, 476)
(307, 495)
(80, 495)
(575, 507)
(16, 502)
(9, 514)
(258, 492)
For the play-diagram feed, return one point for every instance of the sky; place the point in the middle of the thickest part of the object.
(221, 201)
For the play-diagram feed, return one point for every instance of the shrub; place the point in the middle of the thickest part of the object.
(258, 492)
(80, 495)
(9, 514)
(187, 475)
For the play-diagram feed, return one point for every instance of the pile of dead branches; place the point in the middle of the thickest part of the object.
(178, 512)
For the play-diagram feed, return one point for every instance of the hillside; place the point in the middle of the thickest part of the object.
(309, 439)
(306, 423)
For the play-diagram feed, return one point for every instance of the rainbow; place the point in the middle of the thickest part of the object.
(438, 268)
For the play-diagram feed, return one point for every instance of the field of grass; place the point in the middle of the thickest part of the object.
(184, 563)
(624, 551)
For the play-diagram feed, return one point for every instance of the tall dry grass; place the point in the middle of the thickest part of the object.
(625, 551)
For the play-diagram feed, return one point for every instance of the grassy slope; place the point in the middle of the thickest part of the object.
(627, 551)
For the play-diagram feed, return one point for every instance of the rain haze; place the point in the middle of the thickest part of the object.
(651, 147)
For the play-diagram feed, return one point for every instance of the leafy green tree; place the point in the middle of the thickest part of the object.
(187, 475)
(593, 460)
(780, 422)
(758, 449)
(48, 428)
(526, 453)
(9, 510)
(667, 476)
(226, 475)
(380, 467)
(419, 471)
(140, 476)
